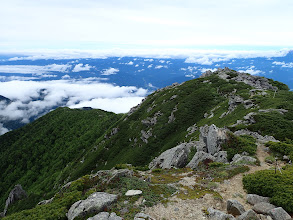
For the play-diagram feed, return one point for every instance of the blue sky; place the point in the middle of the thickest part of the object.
(131, 24)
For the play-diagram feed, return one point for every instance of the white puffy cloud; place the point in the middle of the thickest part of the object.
(283, 64)
(110, 71)
(130, 63)
(80, 67)
(160, 66)
(251, 70)
(3, 130)
(203, 70)
(136, 65)
(150, 66)
(33, 69)
(148, 60)
(71, 93)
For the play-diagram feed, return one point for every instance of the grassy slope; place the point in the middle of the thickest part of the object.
(35, 155)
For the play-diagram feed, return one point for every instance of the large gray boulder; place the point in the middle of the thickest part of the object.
(95, 203)
(234, 207)
(174, 157)
(105, 216)
(263, 208)
(279, 214)
(254, 199)
(248, 215)
(240, 159)
(213, 137)
(218, 215)
(17, 193)
(221, 156)
(200, 156)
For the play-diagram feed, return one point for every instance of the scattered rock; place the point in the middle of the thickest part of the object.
(234, 207)
(221, 157)
(279, 214)
(281, 111)
(151, 121)
(44, 202)
(254, 199)
(191, 130)
(200, 156)
(113, 132)
(133, 192)
(248, 215)
(218, 215)
(145, 135)
(260, 138)
(95, 203)
(238, 159)
(17, 193)
(172, 116)
(105, 216)
(115, 174)
(142, 216)
(174, 157)
(263, 208)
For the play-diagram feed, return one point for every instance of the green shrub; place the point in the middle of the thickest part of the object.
(216, 164)
(281, 148)
(157, 170)
(278, 186)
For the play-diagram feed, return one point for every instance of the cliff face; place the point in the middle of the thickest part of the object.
(165, 119)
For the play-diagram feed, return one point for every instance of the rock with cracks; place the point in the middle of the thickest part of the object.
(105, 216)
(95, 203)
(174, 157)
(199, 157)
(254, 199)
(234, 207)
(17, 193)
(248, 215)
(263, 208)
(218, 215)
(279, 214)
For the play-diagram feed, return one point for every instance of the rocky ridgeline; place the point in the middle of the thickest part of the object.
(254, 81)
(208, 149)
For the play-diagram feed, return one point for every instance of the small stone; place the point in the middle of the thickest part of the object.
(133, 192)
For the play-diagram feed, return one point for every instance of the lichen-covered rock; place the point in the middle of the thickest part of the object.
(218, 215)
(133, 192)
(105, 216)
(114, 174)
(95, 203)
(174, 157)
(213, 137)
(263, 208)
(279, 214)
(221, 157)
(248, 215)
(239, 159)
(17, 193)
(200, 156)
(234, 207)
(254, 199)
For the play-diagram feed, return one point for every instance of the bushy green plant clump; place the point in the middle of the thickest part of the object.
(282, 148)
(279, 85)
(278, 186)
(239, 144)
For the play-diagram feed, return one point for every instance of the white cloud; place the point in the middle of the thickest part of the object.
(136, 65)
(283, 64)
(162, 61)
(140, 70)
(110, 71)
(65, 76)
(148, 60)
(160, 66)
(25, 99)
(130, 63)
(80, 67)
(20, 78)
(150, 66)
(3, 130)
(251, 70)
(32, 69)
(203, 70)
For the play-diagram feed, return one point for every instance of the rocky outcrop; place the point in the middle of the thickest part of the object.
(254, 199)
(133, 192)
(145, 135)
(257, 136)
(234, 207)
(263, 208)
(214, 214)
(112, 133)
(115, 174)
(242, 159)
(44, 202)
(212, 137)
(142, 216)
(279, 214)
(199, 157)
(95, 203)
(248, 215)
(17, 193)
(221, 157)
(174, 157)
(105, 216)
(281, 111)
(151, 121)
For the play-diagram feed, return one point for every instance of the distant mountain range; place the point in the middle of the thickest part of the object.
(122, 82)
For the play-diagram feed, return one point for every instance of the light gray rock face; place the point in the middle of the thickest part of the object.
(254, 199)
(174, 157)
(145, 135)
(151, 121)
(218, 215)
(221, 157)
(133, 192)
(105, 216)
(17, 193)
(234, 101)
(234, 207)
(44, 202)
(119, 173)
(213, 137)
(279, 214)
(281, 111)
(239, 159)
(96, 202)
(200, 156)
(248, 215)
(263, 208)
